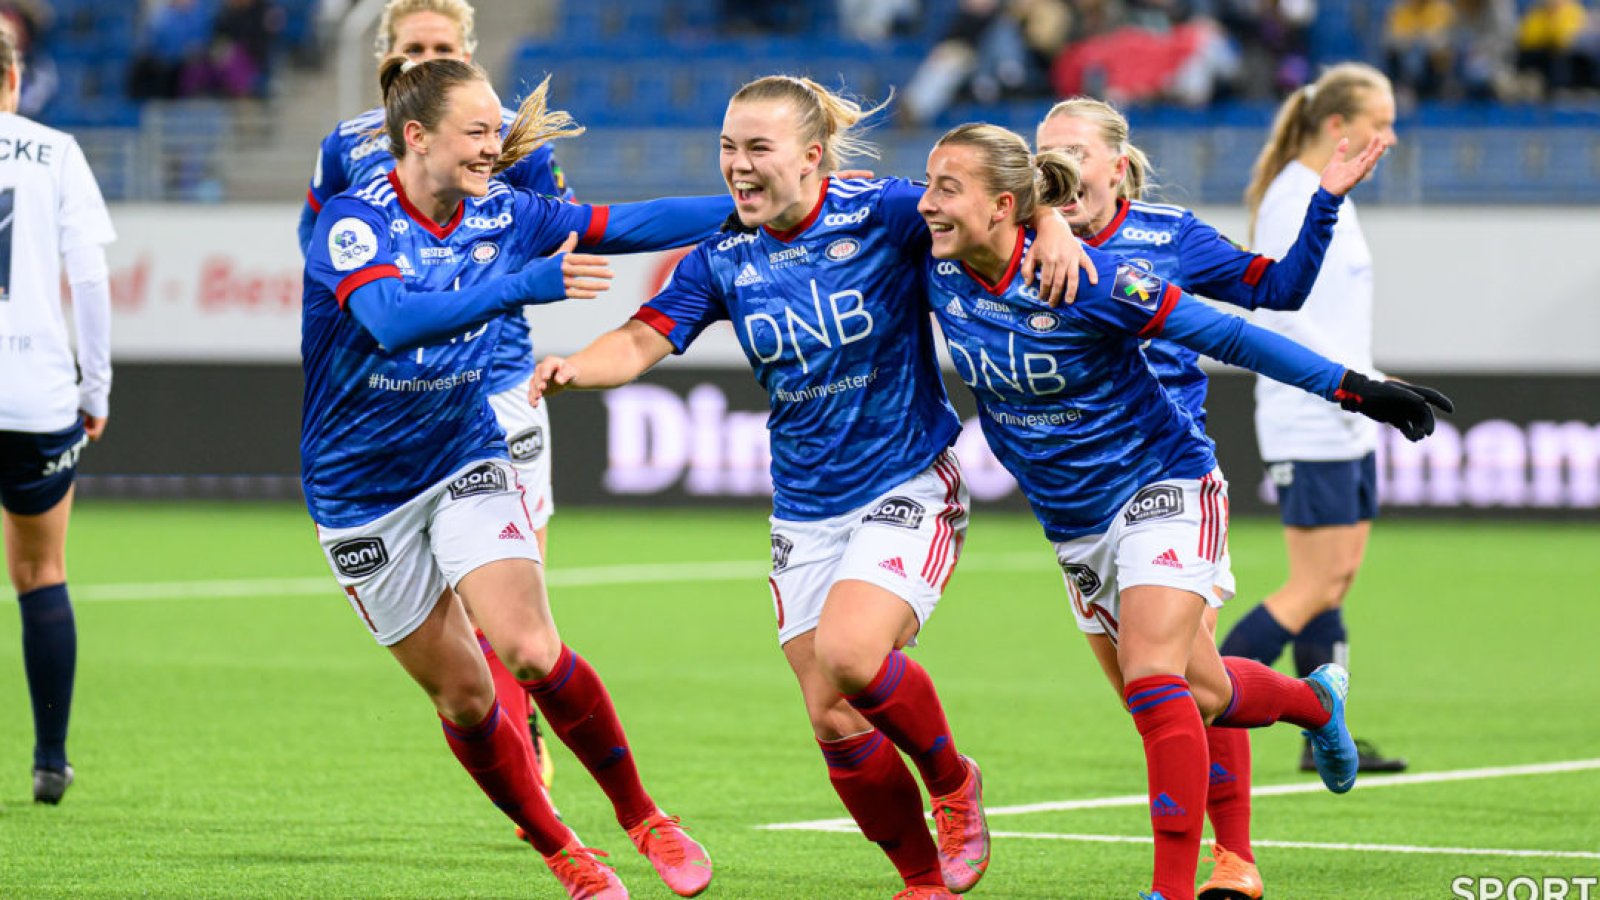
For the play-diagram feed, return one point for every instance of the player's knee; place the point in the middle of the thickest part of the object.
(30, 574)
(532, 656)
(848, 665)
(466, 703)
(833, 720)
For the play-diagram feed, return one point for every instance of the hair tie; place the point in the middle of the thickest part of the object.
(408, 65)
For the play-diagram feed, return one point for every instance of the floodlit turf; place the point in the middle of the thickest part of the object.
(264, 746)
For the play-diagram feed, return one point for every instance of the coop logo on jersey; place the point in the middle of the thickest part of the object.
(901, 512)
(381, 142)
(1158, 501)
(1086, 579)
(1137, 287)
(1146, 236)
(359, 557)
(528, 445)
(842, 249)
(351, 244)
(780, 552)
(485, 223)
(484, 252)
(1042, 322)
(734, 241)
(485, 479)
(400, 226)
(837, 219)
(953, 308)
(947, 268)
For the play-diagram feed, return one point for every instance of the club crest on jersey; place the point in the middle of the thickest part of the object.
(484, 252)
(1086, 579)
(901, 512)
(1136, 286)
(1158, 501)
(527, 445)
(485, 479)
(1042, 322)
(780, 552)
(360, 557)
(351, 244)
(842, 249)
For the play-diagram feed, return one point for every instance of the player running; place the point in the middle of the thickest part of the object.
(408, 280)
(52, 402)
(1176, 245)
(821, 282)
(1120, 476)
(355, 152)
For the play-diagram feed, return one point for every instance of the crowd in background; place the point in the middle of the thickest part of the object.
(205, 48)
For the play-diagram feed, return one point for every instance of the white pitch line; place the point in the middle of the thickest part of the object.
(1371, 783)
(560, 578)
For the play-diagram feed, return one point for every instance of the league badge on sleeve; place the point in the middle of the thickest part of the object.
(1137, 287)
(351, 244)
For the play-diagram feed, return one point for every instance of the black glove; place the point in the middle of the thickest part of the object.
(1405, 406)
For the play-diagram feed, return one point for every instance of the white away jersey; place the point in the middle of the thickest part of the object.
(1336, 322)
(49, 204)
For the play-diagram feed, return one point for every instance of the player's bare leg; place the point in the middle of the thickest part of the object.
(36, 560)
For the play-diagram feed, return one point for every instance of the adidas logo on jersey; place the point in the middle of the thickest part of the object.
(954, 308)
(1168, 559)
(511, 533)
(747, 275)
(894, 565)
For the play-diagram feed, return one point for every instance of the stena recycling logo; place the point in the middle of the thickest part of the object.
(486, 223)
(351, 244)
(1042, 322)
(836, 219)
(484, 252)
(1146, 236)
(842, 249)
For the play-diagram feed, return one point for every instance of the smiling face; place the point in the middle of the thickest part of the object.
(460, 154)
(962, 216)
(426, 35)
(1100, 167)
(771, 173)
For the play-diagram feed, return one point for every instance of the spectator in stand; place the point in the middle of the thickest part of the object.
(241, 47)
(1549, 45)
(175, 38)
(24, 21)
(872, 21)
(1417, 45)
(993, 49)
(1483, 40)
(1129, 65)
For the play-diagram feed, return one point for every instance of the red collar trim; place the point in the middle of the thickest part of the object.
(791, 234)
(1116, 222)
(434, 228)
(1011, 267)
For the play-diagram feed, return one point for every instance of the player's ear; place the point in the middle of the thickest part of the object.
(1004, 205)
(813, 159)
(416, 137)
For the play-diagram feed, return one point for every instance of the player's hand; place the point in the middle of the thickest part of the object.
(1340, 174)
(585, 275)
(1055, 257)
(550, 377)
(854, 173)
(1408, 407)
(94, 426)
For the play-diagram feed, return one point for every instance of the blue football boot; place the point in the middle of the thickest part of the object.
(1334, 750)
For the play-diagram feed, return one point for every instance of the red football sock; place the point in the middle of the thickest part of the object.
(501, 762)
(1228, 801)
(1175, 763)
(1262, 695)
(575, 703)
(878, 790)
(901, 702)
(512, 696)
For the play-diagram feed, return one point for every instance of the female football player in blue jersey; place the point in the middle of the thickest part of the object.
(1175, 244)
(1120, 476)
(821, 281)
(405, 470)
(355, 152)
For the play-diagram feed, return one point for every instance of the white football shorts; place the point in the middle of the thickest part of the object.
(395, 567)
(1172, 533)
(528, 441)
(906, 541)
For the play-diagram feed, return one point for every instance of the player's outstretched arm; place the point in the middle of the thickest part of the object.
(614, 358)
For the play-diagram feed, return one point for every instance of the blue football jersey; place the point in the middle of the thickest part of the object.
(379, 426)
(1065, 398)
(1174, 244)
(357, 151)
(831, 318)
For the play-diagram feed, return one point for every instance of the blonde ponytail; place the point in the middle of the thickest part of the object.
(823, 116)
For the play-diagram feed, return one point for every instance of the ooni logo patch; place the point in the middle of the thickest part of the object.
(1085, 578)
(527, 445)
(1158, 501)
(351, 244)
(901, 512)
(485, 479)
(780, 552)
(360, 557)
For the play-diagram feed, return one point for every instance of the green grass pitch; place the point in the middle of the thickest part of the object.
(262, 745)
